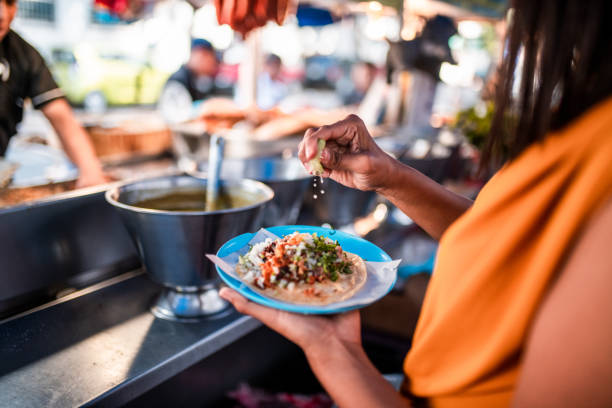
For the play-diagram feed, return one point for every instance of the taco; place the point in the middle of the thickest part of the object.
(302, 268)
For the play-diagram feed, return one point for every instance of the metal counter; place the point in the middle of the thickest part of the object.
(68, 241)
(102, 346)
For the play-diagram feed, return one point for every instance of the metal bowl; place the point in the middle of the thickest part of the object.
(339, 205)
(172, 244)
(287, 177)
(191, 141)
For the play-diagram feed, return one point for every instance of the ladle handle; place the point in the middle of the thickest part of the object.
(215, 159)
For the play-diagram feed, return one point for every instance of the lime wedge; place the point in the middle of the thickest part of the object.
(315, 164)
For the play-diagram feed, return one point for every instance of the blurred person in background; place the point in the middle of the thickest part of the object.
(517, 312)
(362, 77)
(422, 57)
(270, 87)
(24, 75)
(193, 82)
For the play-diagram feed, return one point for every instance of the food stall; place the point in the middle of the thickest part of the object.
(82, 321)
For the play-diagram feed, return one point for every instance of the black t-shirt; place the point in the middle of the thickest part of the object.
(23, 74)
(198, 87)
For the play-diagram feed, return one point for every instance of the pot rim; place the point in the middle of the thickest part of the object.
(112, 196)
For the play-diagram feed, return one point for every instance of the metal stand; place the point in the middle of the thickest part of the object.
(189, 304)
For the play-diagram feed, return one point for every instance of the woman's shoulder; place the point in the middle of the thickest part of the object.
(576, 158)
(586, 140)
(593, 126)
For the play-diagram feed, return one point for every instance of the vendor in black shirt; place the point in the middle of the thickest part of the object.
(194, 81)
(24, 75)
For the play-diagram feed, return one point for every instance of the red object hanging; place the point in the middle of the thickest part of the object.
(246, 15)
(117, 7)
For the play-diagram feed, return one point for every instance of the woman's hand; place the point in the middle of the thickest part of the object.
(351, 156)
(309, 332)
(332, 345)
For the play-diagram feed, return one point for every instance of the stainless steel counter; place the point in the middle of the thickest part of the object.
(102, 346)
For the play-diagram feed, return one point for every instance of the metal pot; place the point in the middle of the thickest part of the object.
(339, 205)
(172, 244)
(287, 177)
(191, 143)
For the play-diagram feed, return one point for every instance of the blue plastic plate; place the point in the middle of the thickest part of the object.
(366, 250)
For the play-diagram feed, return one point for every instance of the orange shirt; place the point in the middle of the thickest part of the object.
(497, 260)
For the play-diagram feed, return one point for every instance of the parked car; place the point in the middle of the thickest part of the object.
(96, 81)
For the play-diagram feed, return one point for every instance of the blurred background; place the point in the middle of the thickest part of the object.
(151, 81)
(114, 59)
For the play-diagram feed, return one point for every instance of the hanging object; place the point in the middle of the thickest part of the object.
(113, 11)
(427, 52)
(246, 15)
(117, 7)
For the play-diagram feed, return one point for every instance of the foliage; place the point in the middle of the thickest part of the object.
(475, 123)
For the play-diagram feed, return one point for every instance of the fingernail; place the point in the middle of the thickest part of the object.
(225, 293)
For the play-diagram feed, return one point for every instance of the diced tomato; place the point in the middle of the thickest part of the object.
(294, 239)
(266, 272)
(301, 267)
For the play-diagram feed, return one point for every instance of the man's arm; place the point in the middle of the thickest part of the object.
(568, 358)
(75, 141)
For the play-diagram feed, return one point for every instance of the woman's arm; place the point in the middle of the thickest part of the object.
(332, 345)
(350, 378)
(75, 142)
(568, 359)
(426, 202)
(352, 157)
